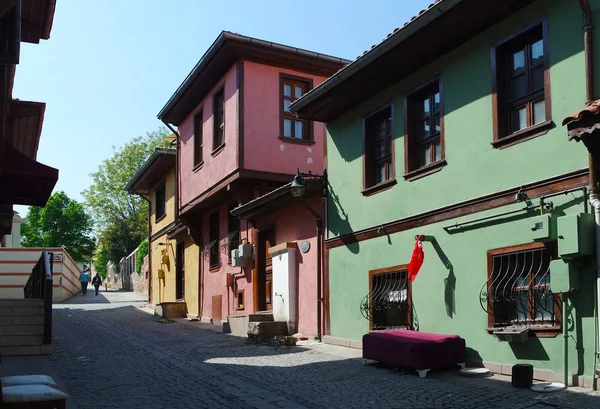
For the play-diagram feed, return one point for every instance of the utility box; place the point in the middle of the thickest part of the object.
(564, 276)
(543, 228)
(246, 250)
(576, 235)
(236, 260)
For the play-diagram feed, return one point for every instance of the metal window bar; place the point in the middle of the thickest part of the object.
(388, 304)
(517, 291)
(40, 286)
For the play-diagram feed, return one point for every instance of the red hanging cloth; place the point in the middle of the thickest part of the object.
(416, 260)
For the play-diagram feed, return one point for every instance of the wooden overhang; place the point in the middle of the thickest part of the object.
(37, 17)
(152, 171)
(584, 126)
(273, 201)
(224, 52)
(442, 27)
(24, 126)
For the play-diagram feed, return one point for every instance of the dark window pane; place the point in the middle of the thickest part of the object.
(426, 107)
(380, 149)
(380, 174)
(518, 119)
(436, 121)
(424, 130)
(518, 62)
(518, 87)
(537, 52)
(436, 101)
(287, 127)
(286, 105)
(438, 151)
(298, 91)
(426, 156)
(537, 78)
(287, 90)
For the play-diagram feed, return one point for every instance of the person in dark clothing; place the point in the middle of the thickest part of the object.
(97, 282)
(84, 277)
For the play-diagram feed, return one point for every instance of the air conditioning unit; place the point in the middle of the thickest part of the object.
(246, 250)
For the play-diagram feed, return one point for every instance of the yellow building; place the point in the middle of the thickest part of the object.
(170, 249)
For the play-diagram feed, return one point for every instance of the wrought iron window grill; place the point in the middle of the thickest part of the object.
(388, 305)
(517, 291)
(232, 242)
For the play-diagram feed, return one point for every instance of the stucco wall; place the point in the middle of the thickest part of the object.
(474, 167)
(163, 290)
(263, 150)
(447, 301)
(169, 216)
(192, 263)
(215, 167)
(296, 224)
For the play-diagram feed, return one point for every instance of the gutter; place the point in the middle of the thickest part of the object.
(374, 53)
(588, 30)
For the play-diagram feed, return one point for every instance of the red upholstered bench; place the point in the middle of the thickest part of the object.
(421, 351)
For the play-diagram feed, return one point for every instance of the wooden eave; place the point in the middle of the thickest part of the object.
(24, 126)
(224, 52)
(37, 18)
(152, 171)
(426, 38)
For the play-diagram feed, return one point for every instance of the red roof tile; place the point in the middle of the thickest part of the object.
(592, 109)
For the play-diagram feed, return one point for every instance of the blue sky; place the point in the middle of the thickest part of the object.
(111, 65)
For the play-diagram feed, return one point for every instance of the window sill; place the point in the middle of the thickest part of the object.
(198, 167)
(296, 141)
(388, 184)
(160, 218)
(214, 269)
(425, 170)
(540, 331)
(523, 135)
(218, 150)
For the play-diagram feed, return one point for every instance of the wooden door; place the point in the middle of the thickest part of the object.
(180, 271)
(217, 301)
(266, 239)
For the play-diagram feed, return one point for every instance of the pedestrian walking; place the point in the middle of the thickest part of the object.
(84, 278)
(97, 282)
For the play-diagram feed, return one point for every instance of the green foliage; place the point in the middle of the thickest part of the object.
(141, 253)
(62, 222)
(121, 218)
(101, 259)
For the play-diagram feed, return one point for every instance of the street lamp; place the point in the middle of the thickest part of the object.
(298, 189)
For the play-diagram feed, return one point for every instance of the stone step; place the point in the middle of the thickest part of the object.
(267, 329)
(21, 302)
(261, 317)
(15, 350)
(20, 328)
(22, 311)
(22, 319)
(20, 338)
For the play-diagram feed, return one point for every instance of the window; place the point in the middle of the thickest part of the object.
(233, 229)
(293, 88)
(219, 118)
(517, 292)
(240, 300)
(160, 200)
(521, 94)
(388, 305)
(424, 141)
(213, 246)
(198, 122)
(378, 145)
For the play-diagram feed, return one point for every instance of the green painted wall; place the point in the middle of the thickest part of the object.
(474, 168)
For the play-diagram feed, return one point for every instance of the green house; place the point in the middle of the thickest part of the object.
(451, 129)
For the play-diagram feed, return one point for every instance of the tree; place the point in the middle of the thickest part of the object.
(122, 218)
(62, 222)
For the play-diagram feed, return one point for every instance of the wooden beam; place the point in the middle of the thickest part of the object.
(5, 6)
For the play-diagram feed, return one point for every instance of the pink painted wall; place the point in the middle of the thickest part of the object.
(193, 183)
(263, 150)
(215, 282)
(295, 223)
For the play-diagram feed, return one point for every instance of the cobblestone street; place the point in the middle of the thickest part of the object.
(111, 354)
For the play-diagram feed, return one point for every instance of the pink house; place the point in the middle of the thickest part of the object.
(237, 141)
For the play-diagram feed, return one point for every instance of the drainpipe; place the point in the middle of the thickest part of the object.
(588, 30)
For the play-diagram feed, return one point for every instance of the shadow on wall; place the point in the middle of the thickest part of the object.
(449, 282)
(338, 222)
